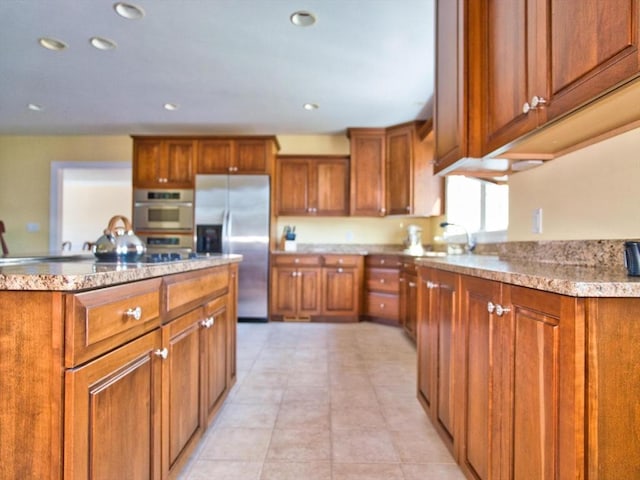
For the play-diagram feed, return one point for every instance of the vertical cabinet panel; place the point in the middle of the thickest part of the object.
(399, 169)
(294, 179)
(310, 290)
(252, 156)
(215, 337)
(214, 156)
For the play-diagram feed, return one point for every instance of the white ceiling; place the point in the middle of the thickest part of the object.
(233, 66)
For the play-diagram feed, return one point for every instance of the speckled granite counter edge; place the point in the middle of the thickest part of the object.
(59, 277)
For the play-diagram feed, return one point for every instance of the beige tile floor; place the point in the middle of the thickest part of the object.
(322, 402)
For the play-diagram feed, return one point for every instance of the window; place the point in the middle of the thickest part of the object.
(481, 207)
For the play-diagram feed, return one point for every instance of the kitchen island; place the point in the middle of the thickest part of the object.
(530, 369)
(112, 370)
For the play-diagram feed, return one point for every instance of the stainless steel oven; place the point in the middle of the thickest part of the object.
(167, 242)
(162, 209)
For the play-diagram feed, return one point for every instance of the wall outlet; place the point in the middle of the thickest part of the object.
(33, 227)
(536, 221)
(349, 237)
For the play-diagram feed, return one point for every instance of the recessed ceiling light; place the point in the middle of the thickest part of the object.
(52, 44)
(171, 106)
(102, 43)
(310, 106)
(128, 11)
(302, 19)
(34, 107)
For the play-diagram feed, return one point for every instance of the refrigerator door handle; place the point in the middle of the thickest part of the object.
(226, 231)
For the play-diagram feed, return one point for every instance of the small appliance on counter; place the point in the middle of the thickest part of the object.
(413, 242)
(632, 258)
(119, 243)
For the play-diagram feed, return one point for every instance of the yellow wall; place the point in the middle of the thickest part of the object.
(589, 194)
(25, 171)
(593, 193)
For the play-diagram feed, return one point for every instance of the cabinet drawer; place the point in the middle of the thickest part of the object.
(296, 260)
(382, 305)
(383, 261)
(409, 267)
(100, 320)
(185, 290)
(383, 280)
(342, 260)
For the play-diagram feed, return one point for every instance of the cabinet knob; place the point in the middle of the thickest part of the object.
(382, 280)
(340, 260)
(491, 307)
(408, 208)
(537, 101)
(500, 310)
(135, 313)
(164, 353)
(208, 322)
(412, 284)
(526, 108)
(382, 305)
(383, 211)
(382, 261)
(296, 260)
(431, 285)
(340, 270)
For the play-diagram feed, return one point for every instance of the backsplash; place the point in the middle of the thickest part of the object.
(605, 254)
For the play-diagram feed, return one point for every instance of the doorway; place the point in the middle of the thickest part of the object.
(84, 196)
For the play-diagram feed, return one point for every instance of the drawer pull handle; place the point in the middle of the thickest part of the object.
(412, 284)
(500, 310)
(164, 353)
(135, 313)
(382, 305)
(382, 262)
(491, 307)
(431, 285)
(340, 270)
(382, 280)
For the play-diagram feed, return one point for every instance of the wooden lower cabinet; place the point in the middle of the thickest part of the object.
(501, 372)
(112, 423)
(116, 382)
(316, 287)
(437, 328)
(382, 288)
(409, 298)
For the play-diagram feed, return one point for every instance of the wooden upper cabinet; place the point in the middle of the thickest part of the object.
(452, 134)
(163, 163)
(315, 185)
(368, 182)
(236, 155)
(538, 66)
(412, 187)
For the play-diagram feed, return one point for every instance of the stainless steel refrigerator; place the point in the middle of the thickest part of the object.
(232, 216)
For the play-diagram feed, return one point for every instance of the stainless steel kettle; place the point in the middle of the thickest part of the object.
(119, 243)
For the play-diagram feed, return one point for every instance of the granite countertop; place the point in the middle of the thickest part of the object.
(84, 272)
(572, 280)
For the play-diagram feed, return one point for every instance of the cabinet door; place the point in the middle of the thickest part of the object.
(284, 291)
(426, 340)
(331, 188)
(214, 156)
(445, 317)
(367, 173)
(594, 46)
(214, 350)
(112, 428)
(513, 70)
(252, 156)
(177, 168)
(181, 408)
(294, 177)
(399, 170)
(341, 291)
(309, 291)
(147, 155)
(484, 400)
(451, 87)
(411, 317)
(545, 428)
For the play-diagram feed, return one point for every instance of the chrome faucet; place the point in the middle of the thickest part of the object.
(470, 245)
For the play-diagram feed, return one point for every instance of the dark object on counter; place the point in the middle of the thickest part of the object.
(632, 257)
(5, 250)
(119, 244)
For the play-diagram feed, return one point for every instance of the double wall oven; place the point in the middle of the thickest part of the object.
(163, 219)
